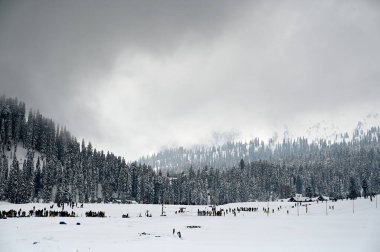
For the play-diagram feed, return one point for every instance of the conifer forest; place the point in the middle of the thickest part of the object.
(43, 162)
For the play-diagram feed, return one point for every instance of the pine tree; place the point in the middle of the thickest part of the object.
(353, 189)
(2, 136)
(14, 180)
(242, 164)
(29, 174)
(299, 184)
(38, 180)
(3, 176)
(365, 187)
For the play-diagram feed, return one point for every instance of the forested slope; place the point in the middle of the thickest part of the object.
(41, 161)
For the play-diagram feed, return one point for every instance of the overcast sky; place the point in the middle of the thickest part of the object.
(136, 76)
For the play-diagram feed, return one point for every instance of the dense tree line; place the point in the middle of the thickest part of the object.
(291, 151)
(44, 162)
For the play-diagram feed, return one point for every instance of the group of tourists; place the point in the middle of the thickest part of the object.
(223, 212)
(35, 213)
(69, 204)
(178, 233)
(96, 214)
(247, 209)
(236, 210)
(147, 214)
(209, 213)
(51, 213)
(8, 214)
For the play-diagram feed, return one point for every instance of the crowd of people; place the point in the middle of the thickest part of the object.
(49, 213)
(69, 204)
(35, 213)
(236, 210)
(96, 214)
(213, 211)
(247, 209)
(8, 214)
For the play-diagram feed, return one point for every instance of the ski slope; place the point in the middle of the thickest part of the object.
(339, 230)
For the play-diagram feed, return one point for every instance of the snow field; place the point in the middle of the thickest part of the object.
(340, 230)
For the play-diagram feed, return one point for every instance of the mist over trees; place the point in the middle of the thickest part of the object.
(41, 161)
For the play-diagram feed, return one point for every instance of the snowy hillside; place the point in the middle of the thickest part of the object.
(316, 140)
(334, 134)
(21, 155)
(339, 230)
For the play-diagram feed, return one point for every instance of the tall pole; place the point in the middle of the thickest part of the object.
(268, 203)
(326, 207)
(376, 200)
(298, 211)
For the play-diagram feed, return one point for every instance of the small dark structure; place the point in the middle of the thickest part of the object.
(323, 198)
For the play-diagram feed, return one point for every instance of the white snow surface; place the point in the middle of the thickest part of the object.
(339, 230)
(21, 155)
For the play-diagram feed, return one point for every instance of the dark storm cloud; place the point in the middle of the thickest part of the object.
(48, 48)
(145, 74)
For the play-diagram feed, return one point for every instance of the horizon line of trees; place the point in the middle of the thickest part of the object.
(42, 162)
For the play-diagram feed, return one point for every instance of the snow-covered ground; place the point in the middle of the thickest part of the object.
(340, 230)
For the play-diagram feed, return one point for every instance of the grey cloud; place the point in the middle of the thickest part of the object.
(49, 48)
(57, 43)
(145, 74)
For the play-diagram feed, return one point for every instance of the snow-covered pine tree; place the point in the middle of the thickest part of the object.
(14, 181)
(38, 186)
